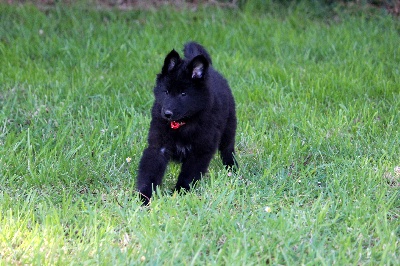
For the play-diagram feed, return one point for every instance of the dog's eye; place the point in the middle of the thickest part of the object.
(166, 92)
(183, 93)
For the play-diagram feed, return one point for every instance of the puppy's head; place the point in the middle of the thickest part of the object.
(181, 89)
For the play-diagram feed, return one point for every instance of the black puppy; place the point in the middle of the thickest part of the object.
(193, 115)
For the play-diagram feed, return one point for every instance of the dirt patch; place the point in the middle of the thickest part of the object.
(392, 6)
(129, 4)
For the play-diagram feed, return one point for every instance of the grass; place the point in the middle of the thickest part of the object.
(318, 139)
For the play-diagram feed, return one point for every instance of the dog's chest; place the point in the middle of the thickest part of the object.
(178, 151)
(182, 151)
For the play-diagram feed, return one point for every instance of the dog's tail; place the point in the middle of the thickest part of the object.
(193, 49)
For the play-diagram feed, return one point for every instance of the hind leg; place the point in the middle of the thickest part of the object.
(227, 147)
(227, 152)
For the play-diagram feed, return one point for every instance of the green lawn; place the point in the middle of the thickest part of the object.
(318, 141)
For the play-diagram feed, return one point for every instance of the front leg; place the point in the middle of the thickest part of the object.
(151, 171)
(192, 169)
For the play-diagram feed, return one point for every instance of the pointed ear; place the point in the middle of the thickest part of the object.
(198, 67)
(170, 61)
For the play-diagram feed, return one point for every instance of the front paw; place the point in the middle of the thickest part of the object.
(144, 195)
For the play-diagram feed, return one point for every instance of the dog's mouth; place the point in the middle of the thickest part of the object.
(175, 120)
(176, 124)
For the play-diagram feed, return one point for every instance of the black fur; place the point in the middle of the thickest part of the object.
(191, 95)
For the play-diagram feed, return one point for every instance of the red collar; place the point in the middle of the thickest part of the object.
(176, 125)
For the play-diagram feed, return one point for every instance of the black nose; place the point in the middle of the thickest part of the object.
(168, 113)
